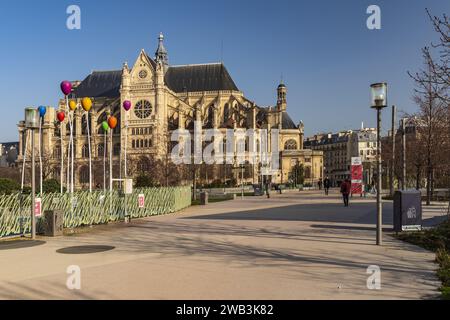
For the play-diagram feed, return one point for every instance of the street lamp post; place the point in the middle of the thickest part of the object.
(378, 102)
(32, 123)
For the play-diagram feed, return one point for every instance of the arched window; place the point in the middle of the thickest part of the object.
(210, 117)
(149, 143)
(57, 151)
(116, 149)
(84, 174)
(85, 151)
(133, 144)
(226, 112)
(100, 150)
(84, 124)
(307, 172)
(146, 143)
(291, 144)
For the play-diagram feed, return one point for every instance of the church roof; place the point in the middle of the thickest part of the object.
(199, 77)
(191, 78)
(286, 121)
(100, 84)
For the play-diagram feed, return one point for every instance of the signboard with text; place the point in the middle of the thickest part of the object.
(37, 207)
(141, 200)
(357, 175)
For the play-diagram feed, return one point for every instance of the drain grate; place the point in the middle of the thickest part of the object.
(20, 244)
(85, 249)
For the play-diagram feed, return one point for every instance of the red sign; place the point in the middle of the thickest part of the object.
(37, 207)
(141, 200)
(357, 176)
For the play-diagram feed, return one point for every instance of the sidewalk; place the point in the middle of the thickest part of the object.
(291, 246)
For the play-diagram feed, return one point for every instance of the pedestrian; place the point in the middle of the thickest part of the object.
(326, 185)
(268, 187)
(345, 190)
(320, 184)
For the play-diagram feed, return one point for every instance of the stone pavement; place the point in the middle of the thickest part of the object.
(291, 246)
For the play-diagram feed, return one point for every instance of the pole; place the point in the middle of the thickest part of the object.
(391, 173)
(27, 133)
(62, 156)
(110, 161)
(126, 144)
(242, 182)
(403, 155)
(72, 153)
(88, 122)
(379, 201)
(40, 155)
(68, 145)
(33, 218)
(104, 162)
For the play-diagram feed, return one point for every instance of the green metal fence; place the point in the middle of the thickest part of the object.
(85, 208)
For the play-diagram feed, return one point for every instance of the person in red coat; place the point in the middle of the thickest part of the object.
(345, 190)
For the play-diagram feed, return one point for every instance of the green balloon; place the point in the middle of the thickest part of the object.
(105, 126)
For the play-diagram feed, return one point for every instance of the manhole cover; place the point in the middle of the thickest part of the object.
(19, 244)
(84, 249)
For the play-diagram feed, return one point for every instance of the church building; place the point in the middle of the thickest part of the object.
(165, 97)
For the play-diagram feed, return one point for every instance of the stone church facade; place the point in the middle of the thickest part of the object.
(165, 98)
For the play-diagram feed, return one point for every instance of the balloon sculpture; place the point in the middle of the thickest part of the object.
(66, 87)
(127, 105)
(112, 122)
(61, 116)
(86, 103)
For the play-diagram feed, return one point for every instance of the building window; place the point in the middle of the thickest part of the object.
(116, 149)
(291, 144)
(143, 109)
(100, 150)
(85, 151)
(84, 124)
(84, 174)
(307, 172)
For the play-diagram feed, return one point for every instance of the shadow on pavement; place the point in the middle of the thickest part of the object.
(358, 213)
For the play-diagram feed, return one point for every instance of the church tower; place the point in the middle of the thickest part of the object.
(161, 53)
(281, 97)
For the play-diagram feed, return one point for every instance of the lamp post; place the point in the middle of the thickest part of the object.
(378, 102)
(32, 123)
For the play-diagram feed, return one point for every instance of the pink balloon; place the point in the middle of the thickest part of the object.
(66, 87)
(127, 105)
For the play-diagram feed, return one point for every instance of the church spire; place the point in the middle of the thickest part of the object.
(161, 52)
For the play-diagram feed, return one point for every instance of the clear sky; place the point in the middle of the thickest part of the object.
(323, 49)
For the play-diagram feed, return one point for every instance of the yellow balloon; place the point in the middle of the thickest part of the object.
(86, 103)
(72, 105)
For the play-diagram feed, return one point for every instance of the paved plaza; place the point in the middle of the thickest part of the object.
(297, 245)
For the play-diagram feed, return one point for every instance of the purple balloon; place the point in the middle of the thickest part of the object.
(127, 105)
(66, 87)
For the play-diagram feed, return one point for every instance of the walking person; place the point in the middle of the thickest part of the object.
(345, 190)
(320, 184)
(326, 185)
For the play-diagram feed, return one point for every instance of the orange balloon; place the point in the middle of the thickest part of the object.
(72, 105)
(112, 122)
(86, 103)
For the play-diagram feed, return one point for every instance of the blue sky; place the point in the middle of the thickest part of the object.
(324, 50)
